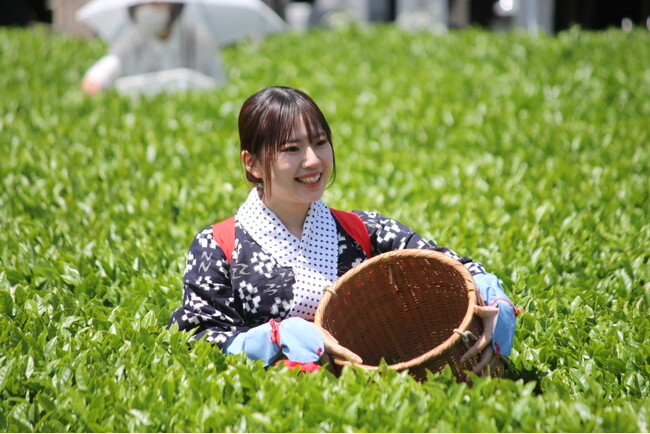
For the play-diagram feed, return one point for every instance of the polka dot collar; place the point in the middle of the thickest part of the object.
(314, 258)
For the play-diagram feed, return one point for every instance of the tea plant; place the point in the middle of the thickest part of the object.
(529, 154)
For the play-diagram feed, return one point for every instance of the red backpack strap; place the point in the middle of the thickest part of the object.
(224, 234)
(353, 225)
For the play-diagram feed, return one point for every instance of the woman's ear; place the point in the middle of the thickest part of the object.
(251, 164)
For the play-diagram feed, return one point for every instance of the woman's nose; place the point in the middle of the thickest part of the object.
(311, 157)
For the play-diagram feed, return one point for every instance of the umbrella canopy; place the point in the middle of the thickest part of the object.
(228, 20)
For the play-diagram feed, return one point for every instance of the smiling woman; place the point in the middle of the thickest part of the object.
(253, 282)
(288, 149)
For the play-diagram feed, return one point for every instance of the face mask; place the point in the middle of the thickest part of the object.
(152, 20)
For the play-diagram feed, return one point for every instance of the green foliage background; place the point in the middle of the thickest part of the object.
(530, 154)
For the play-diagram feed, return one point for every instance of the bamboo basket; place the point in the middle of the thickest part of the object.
(413, 308)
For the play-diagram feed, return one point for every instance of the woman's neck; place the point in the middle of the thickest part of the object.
(292, 216)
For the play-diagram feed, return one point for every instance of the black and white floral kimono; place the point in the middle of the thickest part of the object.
(275, 275)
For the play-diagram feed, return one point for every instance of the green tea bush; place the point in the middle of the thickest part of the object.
(529, 154)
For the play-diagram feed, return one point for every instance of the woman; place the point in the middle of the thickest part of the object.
(158, 40)
(259, 294)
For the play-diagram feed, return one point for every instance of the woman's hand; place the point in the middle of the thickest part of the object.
(488, 315)
(90, 86)
(333, 347)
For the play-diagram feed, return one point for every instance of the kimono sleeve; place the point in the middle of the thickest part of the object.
(208, 305)
(388, 234)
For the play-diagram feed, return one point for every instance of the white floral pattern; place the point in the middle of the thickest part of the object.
(313, 258)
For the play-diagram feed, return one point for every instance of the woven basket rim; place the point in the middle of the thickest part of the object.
(389, 257)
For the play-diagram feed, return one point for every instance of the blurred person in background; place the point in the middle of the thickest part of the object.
(158, 40)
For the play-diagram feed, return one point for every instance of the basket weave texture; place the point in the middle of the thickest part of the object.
(403, 306)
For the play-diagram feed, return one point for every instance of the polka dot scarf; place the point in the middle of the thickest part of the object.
(313, 258)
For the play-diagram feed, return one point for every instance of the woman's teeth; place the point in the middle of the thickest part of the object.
(309, 180)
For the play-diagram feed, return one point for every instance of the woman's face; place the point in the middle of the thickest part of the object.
(153, 18)
(300, 171)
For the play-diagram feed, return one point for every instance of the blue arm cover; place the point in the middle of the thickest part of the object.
(300, 341)
(256, 343)
(493, 294)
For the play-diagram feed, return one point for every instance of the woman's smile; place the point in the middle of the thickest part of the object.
(310, 179)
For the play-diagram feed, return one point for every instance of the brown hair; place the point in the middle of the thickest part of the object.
(267, 120)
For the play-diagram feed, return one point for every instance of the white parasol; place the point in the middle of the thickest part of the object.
(228, 20)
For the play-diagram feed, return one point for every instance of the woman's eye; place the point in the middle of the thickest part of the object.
(290, 149)
(321, 142)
